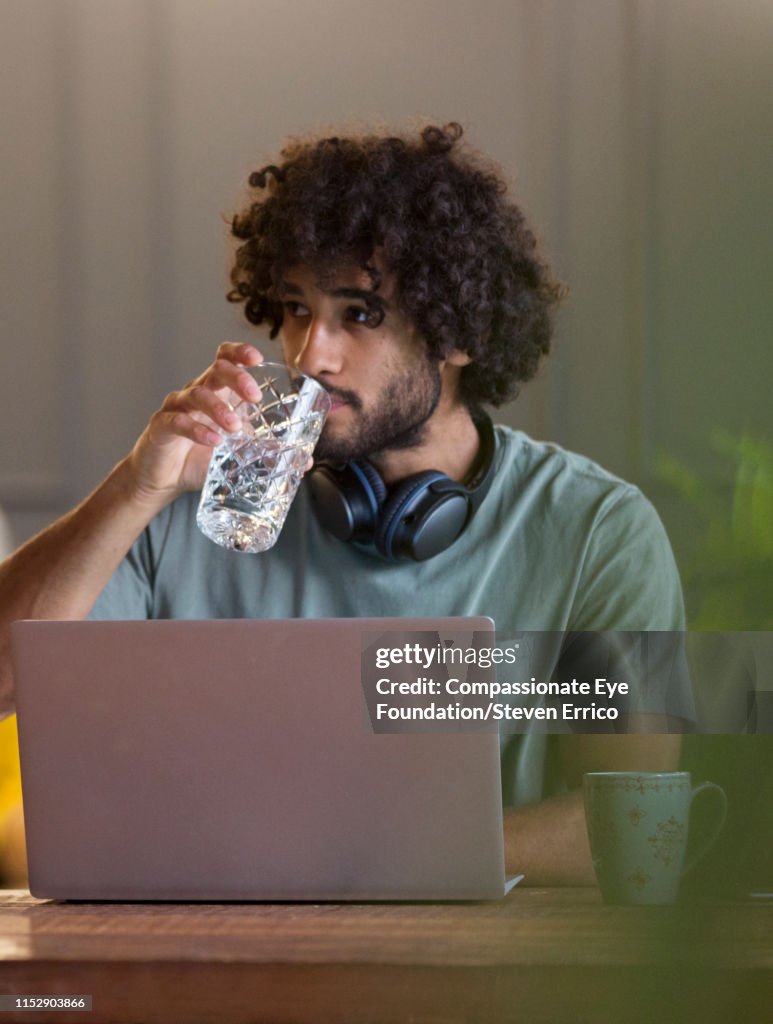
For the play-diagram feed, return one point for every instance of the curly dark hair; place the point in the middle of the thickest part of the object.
(466, 264)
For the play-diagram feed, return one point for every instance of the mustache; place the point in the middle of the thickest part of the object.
(343, 395)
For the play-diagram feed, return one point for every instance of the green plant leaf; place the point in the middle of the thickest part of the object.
(728, 571)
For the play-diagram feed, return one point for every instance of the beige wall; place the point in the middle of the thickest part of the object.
(638, 133)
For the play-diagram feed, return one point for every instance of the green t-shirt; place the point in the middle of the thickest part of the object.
(558, 544)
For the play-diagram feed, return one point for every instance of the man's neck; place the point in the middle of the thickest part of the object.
(450, 445)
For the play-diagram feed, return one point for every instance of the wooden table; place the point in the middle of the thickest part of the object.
(539, 955)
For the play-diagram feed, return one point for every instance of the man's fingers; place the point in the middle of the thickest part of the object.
(238, 352)
(200, 399)
(176, 423)
(233, 352)
(215, 392)
(224, 374)
(203, 410)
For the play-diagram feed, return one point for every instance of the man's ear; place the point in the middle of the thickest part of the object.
(457, 358)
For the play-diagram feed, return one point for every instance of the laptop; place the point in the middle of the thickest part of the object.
(236, 760)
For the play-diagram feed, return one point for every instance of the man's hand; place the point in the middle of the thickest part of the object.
(173, 452)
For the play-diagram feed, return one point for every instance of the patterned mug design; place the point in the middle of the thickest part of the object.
(638, 825)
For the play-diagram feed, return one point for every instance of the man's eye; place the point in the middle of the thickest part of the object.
(367, 317)
(295, 308)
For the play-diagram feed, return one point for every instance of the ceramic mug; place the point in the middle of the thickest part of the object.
(638, 824)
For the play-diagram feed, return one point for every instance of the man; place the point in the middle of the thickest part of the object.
(401, 276)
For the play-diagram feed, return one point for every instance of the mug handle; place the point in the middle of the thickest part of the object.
(707, 840)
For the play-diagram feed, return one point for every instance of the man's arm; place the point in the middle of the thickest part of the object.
(60, 573)
(548, 842)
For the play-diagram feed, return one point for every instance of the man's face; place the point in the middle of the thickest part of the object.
(370, 359)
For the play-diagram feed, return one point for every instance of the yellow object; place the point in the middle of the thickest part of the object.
(10, 778)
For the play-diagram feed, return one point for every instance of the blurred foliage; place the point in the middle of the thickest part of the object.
(728, 571)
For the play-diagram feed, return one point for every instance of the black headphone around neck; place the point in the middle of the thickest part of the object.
(417, 518)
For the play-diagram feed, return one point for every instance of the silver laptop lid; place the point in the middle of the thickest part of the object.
(234, 760)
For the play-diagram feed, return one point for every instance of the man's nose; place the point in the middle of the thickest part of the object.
(321, 352)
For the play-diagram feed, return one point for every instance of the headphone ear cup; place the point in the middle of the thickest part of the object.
(348, 501)
(370, 479)
(400, 512)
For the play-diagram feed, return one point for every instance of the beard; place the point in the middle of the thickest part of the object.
(399, 418)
